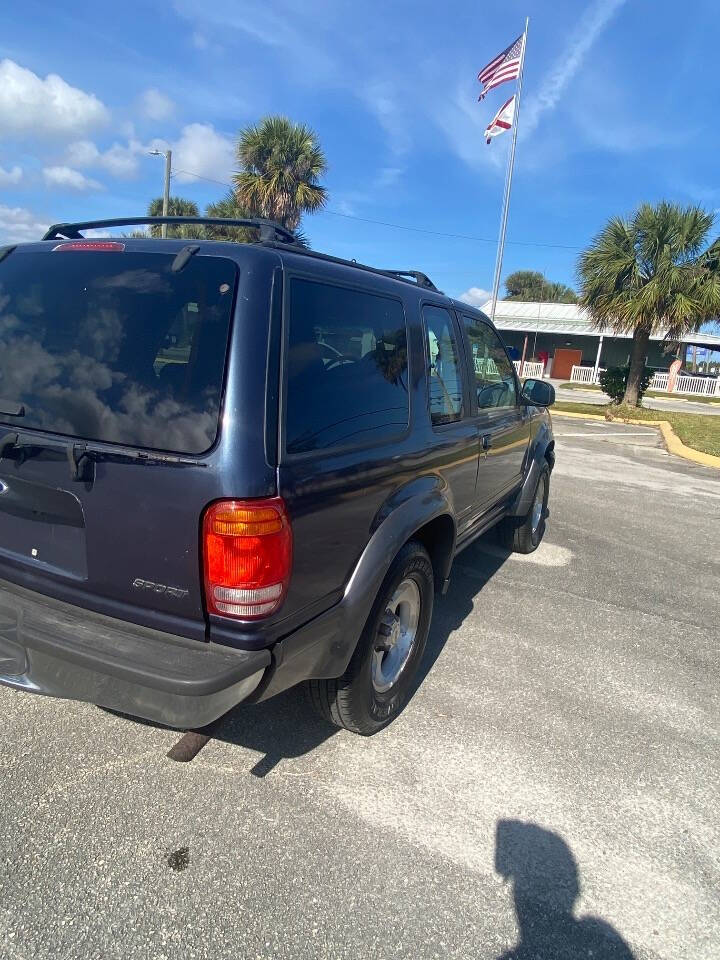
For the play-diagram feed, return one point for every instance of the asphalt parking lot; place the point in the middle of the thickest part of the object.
(551, 791)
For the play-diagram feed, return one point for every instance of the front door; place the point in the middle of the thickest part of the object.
(503, 425)
(563, 362)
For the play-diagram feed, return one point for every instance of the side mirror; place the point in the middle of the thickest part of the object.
(538, 393)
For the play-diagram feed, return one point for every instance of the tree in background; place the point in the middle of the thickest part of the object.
(177, 207)
(531, 285)
(652, 272)
(230, 208)
(280, 164)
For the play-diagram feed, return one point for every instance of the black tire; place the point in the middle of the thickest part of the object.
(353, 701)
(522, 534)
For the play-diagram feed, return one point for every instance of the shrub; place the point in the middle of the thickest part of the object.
(614, 381)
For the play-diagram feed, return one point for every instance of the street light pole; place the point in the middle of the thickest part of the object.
(166, 190)
(166, 194)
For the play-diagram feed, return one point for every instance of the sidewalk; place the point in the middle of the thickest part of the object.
(677, 404)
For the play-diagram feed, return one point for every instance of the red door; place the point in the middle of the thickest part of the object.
(564, 361)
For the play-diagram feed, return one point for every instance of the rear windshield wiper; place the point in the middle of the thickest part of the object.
(82, 459)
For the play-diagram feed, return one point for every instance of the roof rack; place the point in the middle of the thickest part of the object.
(268, 229)
(414, 277)
(270, 232)
(421, 279)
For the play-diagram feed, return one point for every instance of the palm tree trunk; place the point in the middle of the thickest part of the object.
(638, 358)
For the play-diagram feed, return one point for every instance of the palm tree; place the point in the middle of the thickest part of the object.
(280, 165)
(532, 285)
(230, 208)
(177, 207)
(652, 272)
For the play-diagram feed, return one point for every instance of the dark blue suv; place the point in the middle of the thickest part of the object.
(226, 468)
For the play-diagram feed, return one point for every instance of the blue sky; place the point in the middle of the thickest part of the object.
(620, 106)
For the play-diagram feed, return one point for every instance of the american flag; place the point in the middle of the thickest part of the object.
(505, 66)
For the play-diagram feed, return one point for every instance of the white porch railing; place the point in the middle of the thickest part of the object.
(693, 386)
(585, 374)
(534, 369)
(659, 381)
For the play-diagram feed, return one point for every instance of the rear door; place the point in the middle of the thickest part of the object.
(111, 382)
(502, 419)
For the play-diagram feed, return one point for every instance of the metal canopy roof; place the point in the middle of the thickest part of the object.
(571, 320)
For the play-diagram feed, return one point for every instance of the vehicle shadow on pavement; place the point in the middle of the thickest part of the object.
(286, 726)
(485, 558)
(281, 728)
(545, 882)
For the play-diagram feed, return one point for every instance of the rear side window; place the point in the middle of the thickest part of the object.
(347, 368)
(115, 347)
(444, 378)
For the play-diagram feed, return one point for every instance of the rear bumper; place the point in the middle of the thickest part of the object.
(60, 650)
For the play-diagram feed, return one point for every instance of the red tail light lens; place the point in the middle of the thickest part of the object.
(247, 557)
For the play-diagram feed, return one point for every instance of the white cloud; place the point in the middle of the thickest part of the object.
(82, 153)
(156, 105)
(118, 160)
(10, 177)
(29, 104)
(18, 225)
(475, 296)
(203, 151)
(588, 29)
(383, 100)
(122, 161)
(388, 177)
(464, 125)
(67, 177)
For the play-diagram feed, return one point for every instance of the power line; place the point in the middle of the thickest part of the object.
(403, 226)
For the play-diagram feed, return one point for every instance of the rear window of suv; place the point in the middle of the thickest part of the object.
(114, 346)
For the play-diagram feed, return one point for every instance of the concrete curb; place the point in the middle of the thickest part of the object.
(672, 442)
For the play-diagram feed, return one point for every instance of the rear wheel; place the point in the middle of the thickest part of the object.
(524, 534)
(378, 681)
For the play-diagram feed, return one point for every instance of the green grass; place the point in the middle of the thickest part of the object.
(694, 429)
(648, 393)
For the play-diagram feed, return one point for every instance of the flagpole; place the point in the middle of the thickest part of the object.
(508, 179)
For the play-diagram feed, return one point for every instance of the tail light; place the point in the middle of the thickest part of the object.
(247, 557)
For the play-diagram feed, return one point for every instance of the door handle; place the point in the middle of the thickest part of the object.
(486, 441)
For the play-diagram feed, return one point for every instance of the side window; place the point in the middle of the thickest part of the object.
(444, 377)
(347, 368)
(494, 376)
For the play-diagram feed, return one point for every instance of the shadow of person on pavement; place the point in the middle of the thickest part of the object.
(546, 884)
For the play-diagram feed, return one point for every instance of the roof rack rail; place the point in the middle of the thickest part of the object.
(405, 276)
(421, 279)
(269, 230)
